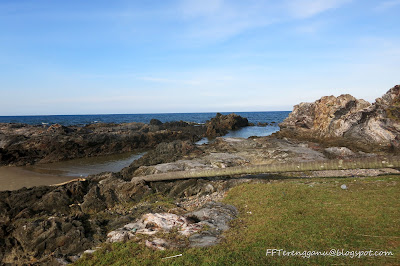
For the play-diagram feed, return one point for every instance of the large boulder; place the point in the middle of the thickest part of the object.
(221, 124)
(348, 121)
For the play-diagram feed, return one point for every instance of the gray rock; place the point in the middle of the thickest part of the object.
(216, 214)
(201, 240)
(120, 235)
(337, 152)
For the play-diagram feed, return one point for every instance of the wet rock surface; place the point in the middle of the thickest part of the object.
(346, 121)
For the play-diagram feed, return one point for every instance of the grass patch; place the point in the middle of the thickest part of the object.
(305, 214)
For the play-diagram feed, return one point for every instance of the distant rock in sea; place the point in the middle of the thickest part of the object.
(221, 124)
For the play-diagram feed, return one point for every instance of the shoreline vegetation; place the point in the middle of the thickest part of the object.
(267, 189)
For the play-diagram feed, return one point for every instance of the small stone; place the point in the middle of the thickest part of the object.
(89, 251)
(343, 186)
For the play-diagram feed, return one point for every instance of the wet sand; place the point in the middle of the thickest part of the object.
(13, 177)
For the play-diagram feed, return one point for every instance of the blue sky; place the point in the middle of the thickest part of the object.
(91, 57)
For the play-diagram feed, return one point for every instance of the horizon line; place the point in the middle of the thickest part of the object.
(149, 113)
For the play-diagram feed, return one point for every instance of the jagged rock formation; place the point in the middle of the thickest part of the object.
(348, 121)
(221, 124)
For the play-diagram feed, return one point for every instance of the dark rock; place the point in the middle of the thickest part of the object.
(43, 237)
(221, 124)
(175, 124)
(60, 221)
(57, 128)
(94, 201)
(155, 122)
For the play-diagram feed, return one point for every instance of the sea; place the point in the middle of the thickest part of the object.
(12, 177)
(68, 120)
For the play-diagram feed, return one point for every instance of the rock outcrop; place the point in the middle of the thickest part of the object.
(27, 144)
(221, 124)
(348, 121)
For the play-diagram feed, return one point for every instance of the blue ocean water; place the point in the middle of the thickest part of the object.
(66, 120)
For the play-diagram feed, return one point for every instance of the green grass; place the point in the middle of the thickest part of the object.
(306, 214)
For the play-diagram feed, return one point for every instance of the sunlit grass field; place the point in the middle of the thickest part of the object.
(293, 215)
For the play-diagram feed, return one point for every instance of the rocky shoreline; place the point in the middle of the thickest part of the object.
(22, 144)
(56, 224)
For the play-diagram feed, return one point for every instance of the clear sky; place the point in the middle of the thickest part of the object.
(98, 57)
